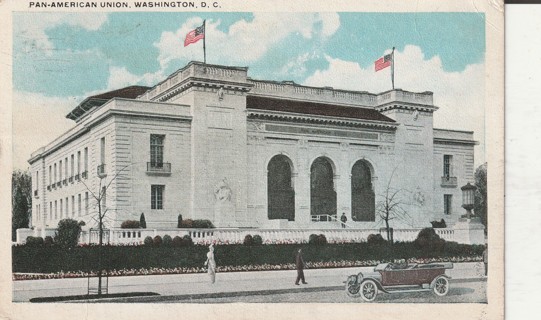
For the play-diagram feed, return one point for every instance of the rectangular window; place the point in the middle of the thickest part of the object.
(37, 180)
(60, 171)
(79, 204)
(72, 165)
(86, 203)
(156, 150)
(78, 162)
(447, 166)
(67, 207)
(61, 209)
(102, 150)
(448, 203)
(50, 211)
(156, 197)
(73, 206)
(66, 167)
(86, 159)
(50, 174)
(55, 209)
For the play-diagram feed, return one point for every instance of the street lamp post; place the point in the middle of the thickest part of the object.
(468, 196)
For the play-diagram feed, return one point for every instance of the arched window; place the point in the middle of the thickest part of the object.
(363, 205)
(280, 193)
(322, 194)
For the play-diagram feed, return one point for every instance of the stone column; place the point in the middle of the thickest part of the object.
(302, 187)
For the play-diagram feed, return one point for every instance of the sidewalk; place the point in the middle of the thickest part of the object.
(188, 286)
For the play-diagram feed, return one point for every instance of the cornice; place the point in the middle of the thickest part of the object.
(200, 82)
(302, 118)
(455, 141)
(85, 128)
(409, 106)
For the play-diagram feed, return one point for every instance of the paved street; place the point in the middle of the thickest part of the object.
(460, 292)
(266, 285)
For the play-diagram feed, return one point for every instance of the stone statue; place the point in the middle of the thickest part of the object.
(223, 192)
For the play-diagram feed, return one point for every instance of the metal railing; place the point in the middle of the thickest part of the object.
(449, 182)
(159, 167)
(323, 217)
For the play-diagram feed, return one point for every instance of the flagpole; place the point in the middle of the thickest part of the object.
(392, 68)
(204, 40)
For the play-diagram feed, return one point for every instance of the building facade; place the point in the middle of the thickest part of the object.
(211, 143)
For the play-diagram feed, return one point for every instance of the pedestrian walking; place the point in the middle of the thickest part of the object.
(211, 264)
(344, 219)
(299, 262)
(485, 259)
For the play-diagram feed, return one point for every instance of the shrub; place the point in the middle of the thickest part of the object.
(321, 240)
(177, 241)
(316, 239)
(187, 241)
(48, 241)
(142, 221)
(67, 233)
(167, 240)
(199, 224)
(203, 224)
(34, 241)
(157, 241)
(375, 239)
(248, 240)
(257, 240)
(188, 223)
(130, 224)
(428, 240)
(148, 241)
(438, 224)
(179, 221)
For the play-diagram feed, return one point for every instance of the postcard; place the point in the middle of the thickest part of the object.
(269, 159)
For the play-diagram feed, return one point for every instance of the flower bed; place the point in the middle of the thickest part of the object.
(263, 267)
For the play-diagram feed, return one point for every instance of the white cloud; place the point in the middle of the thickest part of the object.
(32, 28)
(246, 41)
(459, 95)
(120, 77)
(38, 120)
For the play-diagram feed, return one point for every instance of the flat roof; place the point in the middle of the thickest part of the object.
(314, 108)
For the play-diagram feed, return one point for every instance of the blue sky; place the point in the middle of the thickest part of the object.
(58, 59)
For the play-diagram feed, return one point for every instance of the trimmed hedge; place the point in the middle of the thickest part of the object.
(55, 259)
(131, 224)
(197, 224)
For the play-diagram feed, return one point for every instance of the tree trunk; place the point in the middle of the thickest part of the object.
(100, 241)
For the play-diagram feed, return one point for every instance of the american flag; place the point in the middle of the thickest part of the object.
(195, 35)
(383, 62)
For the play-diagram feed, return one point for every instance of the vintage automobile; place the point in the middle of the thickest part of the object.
(399, 278)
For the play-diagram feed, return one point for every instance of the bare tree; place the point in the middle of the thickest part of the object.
(100, 198)
(392, 206)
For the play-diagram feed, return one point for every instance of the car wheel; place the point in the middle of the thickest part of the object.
(441, 286)
(352, 287)
(369, 290)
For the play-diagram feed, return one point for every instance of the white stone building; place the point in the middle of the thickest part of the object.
(211, 143)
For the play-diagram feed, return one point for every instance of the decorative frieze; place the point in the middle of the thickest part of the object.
(323, 132)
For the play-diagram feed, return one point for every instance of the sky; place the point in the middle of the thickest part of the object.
(59, 59)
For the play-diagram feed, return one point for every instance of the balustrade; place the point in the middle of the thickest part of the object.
(231, 236)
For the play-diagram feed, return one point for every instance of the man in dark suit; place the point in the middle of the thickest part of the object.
(300, 267)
